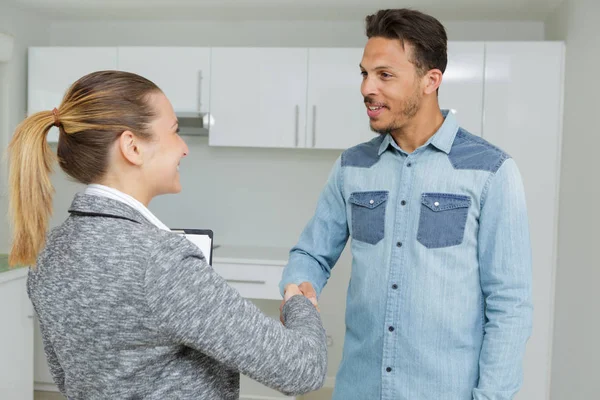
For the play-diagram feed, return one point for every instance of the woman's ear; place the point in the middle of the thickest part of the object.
(129, 146)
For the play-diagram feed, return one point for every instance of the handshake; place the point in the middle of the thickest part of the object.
(305, 288)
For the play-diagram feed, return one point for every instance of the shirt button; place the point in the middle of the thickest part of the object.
(371, 201)
(391, 329)
(399, 244)
(409, 165)
(403, 202)
(388, 369)
(435, 204)
(394, 286)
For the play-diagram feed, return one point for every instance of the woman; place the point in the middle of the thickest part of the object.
(127, 308)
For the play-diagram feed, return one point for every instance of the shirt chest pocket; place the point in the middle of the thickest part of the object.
(368, 215)
(442, 220)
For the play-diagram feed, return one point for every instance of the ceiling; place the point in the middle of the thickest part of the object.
(284, 9)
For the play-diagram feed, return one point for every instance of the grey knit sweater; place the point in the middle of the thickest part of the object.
(129, 311)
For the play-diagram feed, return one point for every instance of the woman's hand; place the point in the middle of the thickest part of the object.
(290, 290)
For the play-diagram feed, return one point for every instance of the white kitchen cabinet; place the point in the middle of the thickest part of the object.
(462, 85)
(258, 97)
(281, 97)
(523, 116)
(52, 70)
(334, 116)
(254, 272)
(336, 113)
(182, 73)
(16, 337)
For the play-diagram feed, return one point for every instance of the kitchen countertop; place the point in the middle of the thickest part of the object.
(4, 264)
(222, 254)
(8, 274)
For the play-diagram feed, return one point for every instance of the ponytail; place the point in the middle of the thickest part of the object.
(31, 190)
(95, 110)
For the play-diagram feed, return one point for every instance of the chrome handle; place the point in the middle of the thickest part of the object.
(314, 126)
(257, 282)
(297, 116)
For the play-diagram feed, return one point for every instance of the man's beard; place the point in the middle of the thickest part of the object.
(411, 106)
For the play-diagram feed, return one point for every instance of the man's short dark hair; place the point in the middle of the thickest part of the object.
(424, 33)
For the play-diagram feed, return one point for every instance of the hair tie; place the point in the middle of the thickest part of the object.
(56, 117)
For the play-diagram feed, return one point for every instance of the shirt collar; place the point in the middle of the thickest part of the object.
(442, 139)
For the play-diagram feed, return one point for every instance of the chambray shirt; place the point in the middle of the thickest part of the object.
(439, 303)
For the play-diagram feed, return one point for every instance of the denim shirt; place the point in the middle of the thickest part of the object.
(439, 302)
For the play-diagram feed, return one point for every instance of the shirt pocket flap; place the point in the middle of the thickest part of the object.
(368, 199)
(445, 201)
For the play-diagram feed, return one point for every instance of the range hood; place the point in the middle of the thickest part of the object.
(194, 123)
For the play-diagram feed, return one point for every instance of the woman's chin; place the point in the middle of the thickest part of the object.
(177, 188)
(173, 189)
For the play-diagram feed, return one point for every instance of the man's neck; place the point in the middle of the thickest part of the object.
(419, 129)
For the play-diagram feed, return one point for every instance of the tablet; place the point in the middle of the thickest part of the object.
(203, 238)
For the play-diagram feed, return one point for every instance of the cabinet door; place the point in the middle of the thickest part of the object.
(336, 114)
(523, 114)
(182, 73)
(462, 85)
(16, 339)
(258, 97)
(52, 70)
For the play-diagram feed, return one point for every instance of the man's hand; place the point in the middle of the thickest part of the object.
(309, 292)
(305, 288)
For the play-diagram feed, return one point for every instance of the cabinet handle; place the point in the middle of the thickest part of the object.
(297, 118)
(257, 282)
(314, 126)
(199, 91)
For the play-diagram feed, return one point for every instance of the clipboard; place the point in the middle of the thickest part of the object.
(203, 238)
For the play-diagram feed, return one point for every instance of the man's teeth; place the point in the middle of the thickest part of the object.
(374, 108)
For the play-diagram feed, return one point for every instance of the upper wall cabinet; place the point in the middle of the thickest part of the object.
(261, 97)
(462, 84)
(182, 73)
(258, 97)
(52, 70)
(336, 113)
(322, 86)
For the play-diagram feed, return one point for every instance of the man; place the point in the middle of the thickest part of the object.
(439, 302)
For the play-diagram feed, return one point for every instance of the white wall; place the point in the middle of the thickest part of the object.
(254, 196)
(576, 353)
(28, 30)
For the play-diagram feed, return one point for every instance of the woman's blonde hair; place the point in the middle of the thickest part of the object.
(94, 112)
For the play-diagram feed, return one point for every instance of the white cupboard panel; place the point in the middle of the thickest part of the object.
(523, 114)
(258, 97)
(52, 70)
(182, 73)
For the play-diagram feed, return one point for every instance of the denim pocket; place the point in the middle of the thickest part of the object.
(368, 215)
(443, 219)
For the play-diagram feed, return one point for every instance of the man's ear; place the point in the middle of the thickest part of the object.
(129, 145)
(432, 81)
